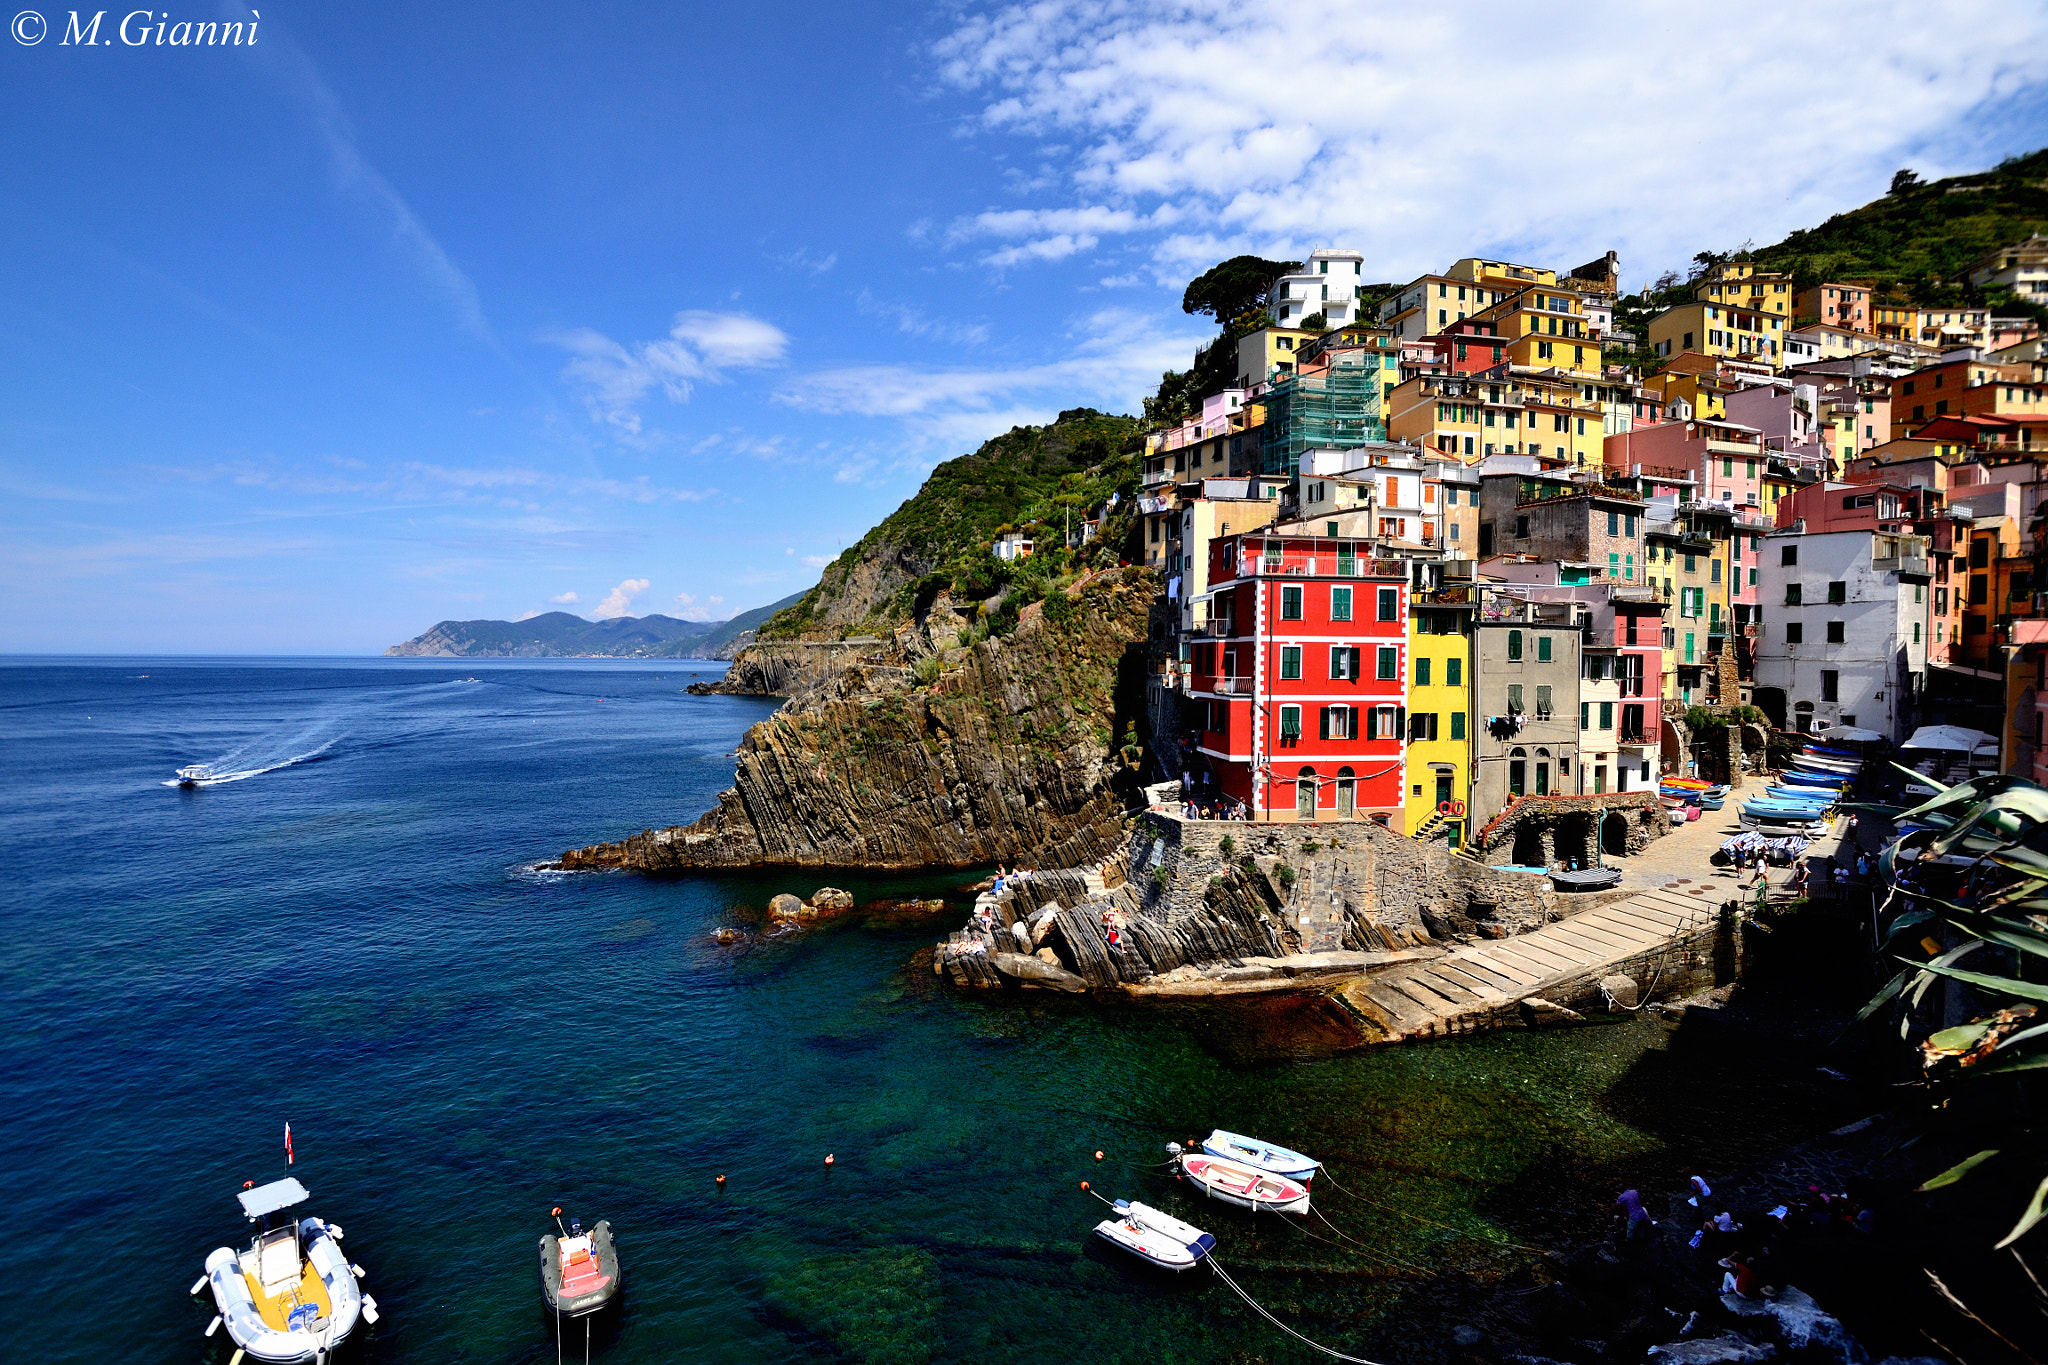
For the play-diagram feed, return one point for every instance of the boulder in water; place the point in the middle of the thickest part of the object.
(830, 900)
(785, 908)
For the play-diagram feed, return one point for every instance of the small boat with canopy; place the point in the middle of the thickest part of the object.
(292, 1296)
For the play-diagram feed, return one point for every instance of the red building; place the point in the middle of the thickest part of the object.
(1304, 671)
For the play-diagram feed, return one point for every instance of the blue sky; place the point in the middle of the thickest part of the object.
(408, 313)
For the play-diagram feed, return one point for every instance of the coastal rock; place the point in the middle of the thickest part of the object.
(1005, 754)
(1802, 1327)
(1030, 971)
(1722, 1350)
(1620, 991)
(785, 908)
(830, 900)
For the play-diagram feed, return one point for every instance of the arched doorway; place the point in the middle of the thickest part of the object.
(1529, 846)
(1305, 795)
(1802, 717)
(1347, 793)
(1543, 772)
(1518, 771)
(1614, 834)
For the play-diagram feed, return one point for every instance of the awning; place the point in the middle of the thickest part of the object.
(278, 1194)
(1952, 738)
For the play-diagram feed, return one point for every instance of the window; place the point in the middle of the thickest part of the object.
(1835, 635)
(1340, 604)
(1290, 722)
(1980, 589)
(1795, 633)
(1389, 662)
(1715, 566)
(1688, 646)
(1792, 594)
(1614, 523)
(1830, 685)
(1422, 725)
(1521, 528)
(1343, 663)
(1585, 715)
(1514, 644)
(1515, 699)
(1916, 632)
(1543, 649)
(1390, 604)
(1290, 604)
(1789, 555)
(1607, 715)
(1838, 592)
(1543, 701)
(1290, 663)
(1422, 671)
(1457, 725)
(1454, 672)
(1336, 722)
(1692, 564)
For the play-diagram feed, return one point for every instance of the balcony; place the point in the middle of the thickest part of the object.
(1450, 595)
(1632, 592)
(1905, 566)
(1222, 628)
(1231, 687)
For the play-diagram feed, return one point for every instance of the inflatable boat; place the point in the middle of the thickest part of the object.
(1267, 1156)
(292, 1296)
(1157, 1238)
(1248, 1187)
(579, 1271)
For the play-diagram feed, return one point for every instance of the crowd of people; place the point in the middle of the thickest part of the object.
(1742, 1243)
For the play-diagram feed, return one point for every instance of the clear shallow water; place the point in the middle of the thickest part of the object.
(350, 938)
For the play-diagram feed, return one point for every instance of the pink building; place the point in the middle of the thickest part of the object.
(1729, 456)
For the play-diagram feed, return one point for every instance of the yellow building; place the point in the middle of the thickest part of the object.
(1500, 274)
(1469, 418)
(1703, 393)
(1545, 328)
(1739, 284)
(1439, 753)
(1720, 330)
(1268, 352)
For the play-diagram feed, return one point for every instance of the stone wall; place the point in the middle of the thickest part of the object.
(1568, 828)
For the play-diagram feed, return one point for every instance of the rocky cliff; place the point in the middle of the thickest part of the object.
(939, 746)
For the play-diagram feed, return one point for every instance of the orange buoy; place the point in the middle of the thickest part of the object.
(1098, 1156)
(1084, 1185)
(555, 1212)
(721, 1180)
(248, 1184)
(828, 1158)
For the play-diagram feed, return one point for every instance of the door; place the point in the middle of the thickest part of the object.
(1443, 789)
(1305, 795)
(1347, 793)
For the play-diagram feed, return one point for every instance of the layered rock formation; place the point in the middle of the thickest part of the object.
(924, 751)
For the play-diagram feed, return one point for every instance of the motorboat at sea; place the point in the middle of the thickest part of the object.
(292, 1296)
(1247, 1187)
(1267, 1156)
(579, 1271)
(1157, 1238)
(193, 774)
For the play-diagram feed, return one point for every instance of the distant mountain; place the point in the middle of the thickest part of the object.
(559, 635)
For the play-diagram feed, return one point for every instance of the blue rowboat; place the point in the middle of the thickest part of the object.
(1799, 778)
(1806, 810)
(1264, 1156)
(1801, 795)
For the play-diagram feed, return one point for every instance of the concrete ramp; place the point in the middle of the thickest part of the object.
(1662, 940)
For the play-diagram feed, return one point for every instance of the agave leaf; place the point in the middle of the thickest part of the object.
(1961, 1038)
(2035, 1210)
(1957, 1171)
(1998, 820)
(1957, 800)
(1955, 954)
(2022, 1036)
(2004, 933)
(1877, 1002)
(2004, 985)
(1919, 776)
(1910, 920)
(2019, 1061)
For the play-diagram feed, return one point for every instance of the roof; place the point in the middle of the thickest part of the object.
(267, 1199)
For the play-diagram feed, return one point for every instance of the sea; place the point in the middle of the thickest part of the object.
(347, 928)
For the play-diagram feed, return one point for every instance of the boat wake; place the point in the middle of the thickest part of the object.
(235, 767)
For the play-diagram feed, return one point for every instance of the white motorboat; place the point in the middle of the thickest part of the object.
(1159, 1238)
(1245, 1186)
(1267, 1156)
(193, 774)
(292, 1296)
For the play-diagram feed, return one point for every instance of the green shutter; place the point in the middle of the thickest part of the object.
(1457, 725)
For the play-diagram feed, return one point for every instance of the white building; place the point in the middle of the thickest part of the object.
(1327, 283)
(2021, 267)
(1843, 625)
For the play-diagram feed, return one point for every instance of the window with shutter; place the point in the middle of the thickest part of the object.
(1515, 698)
(1543, 649)
(1290, 722)
(1389, 662)
(1325, 731)
(1514, 644)
(1543, 701)
(1290, 663)
(1457, 725)
(1340, 658)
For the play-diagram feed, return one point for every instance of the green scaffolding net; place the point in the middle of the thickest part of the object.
(1333, 409)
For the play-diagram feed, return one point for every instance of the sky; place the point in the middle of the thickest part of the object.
(406, 313)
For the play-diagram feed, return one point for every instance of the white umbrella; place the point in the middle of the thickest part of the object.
(1849, 734)
(1953, 738)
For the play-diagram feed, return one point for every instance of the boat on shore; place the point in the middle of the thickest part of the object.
(1157, 1238)
(1248, 1187)
(579, 1271)
(292, 1296)
(1266, 1156)
(1587, 879)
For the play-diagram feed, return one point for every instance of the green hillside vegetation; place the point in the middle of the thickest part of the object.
(558, 634)
(1039, 480)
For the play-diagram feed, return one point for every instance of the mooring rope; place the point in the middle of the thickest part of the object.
(1237, 1289)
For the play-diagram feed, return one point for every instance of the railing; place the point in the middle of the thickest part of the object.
(1454, 595)
(1220, 629)
(1232, 687)
(1633, 592)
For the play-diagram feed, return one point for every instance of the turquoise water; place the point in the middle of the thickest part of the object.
(352, 939)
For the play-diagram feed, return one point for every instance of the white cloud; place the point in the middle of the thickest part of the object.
(692, 608)
(617, 378)
(619, 602)
(1281, 128)
(817, 561)
(563, 599)
(528, 614)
